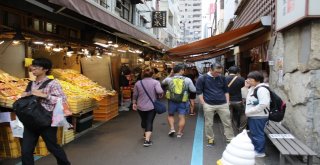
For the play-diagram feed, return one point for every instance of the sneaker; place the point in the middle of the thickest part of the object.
(210, 143)
(260, 155)
(171, 132)
(147, 143)
(179, 135)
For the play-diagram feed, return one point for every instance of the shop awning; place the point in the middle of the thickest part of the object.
(214, 44)
(87, 9)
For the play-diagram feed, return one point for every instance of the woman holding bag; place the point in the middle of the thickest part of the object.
(144, 105)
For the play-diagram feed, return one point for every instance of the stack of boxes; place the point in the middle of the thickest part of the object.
(108, 108)
(9, 146)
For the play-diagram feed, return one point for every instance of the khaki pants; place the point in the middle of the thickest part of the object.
(224, 114)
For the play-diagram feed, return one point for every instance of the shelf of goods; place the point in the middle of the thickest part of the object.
(10, 89)
(74, 77)
(108, 108)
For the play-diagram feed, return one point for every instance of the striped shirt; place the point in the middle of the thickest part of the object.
(53, 90)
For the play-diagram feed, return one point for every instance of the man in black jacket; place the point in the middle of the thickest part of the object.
(235, 83)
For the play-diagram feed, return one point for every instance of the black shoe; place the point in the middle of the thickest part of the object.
(147, 143)
(171, 132)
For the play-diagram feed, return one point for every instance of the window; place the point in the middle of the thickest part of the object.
(123, 7)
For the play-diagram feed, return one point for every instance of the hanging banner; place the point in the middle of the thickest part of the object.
(159, 19)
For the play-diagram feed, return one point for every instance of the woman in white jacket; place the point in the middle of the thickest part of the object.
(256, 111)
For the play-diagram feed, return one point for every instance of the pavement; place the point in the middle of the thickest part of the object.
(119, 142)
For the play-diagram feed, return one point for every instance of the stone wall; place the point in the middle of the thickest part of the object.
(295, 76)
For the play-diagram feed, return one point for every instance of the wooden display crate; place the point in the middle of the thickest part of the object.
(68, 136)
(108, 109)
(10, 149)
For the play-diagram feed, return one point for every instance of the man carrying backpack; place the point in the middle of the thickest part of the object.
(213, 95)
(178, 99)
(48, 96)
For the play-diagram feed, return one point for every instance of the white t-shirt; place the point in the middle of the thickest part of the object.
(257, 107)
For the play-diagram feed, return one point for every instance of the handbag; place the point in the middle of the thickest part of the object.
(159, 107)
(30, 111)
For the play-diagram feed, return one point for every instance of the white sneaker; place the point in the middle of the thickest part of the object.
(260, 155)
(171, 132)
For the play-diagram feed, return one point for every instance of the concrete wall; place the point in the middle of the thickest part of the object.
(297, 80)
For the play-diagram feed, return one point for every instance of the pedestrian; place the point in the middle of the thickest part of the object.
(143, 104)
(213, 95)
(178, 99)
(193, 75)
(40, 68)
(237, 114)
(256, 111)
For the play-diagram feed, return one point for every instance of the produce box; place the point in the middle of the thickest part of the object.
(108, 109)
(10, 149)
(9, 145)
(68, 136)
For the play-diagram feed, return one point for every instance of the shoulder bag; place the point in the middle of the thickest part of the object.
(30, 111)
(159, 107)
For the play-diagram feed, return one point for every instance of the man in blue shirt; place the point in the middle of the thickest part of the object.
(213, 95)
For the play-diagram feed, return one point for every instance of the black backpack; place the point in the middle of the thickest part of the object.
(30, 111)
(277, 105)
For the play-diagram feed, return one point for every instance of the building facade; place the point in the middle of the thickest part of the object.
(190, 21)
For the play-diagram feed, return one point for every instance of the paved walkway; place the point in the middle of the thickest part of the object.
(119, 142)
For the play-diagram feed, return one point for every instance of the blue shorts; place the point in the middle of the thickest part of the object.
(181, 108)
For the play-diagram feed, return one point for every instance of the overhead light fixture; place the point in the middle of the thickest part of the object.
(101, 44)
(15, 42)
(116, 45)
(57, 49)
(123, 51)
(1, 42)
(50, 44)
(38, 42)
(109, 42)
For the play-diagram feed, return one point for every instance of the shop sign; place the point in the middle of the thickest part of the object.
(159, 19)
(289, 12)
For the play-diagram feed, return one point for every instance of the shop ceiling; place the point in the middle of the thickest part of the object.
(90, 27)
(216, 45)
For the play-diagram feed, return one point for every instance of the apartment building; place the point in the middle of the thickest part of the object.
(190, 14)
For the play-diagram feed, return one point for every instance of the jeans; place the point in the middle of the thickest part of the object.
(147, 118)
(49, 136)
(256, 127)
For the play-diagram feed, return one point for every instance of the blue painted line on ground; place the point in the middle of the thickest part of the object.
(34, 157)
(197, 150)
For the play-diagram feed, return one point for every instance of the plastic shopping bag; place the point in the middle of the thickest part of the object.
(17, 128)
(58, 115)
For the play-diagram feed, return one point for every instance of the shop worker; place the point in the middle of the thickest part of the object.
(178, 100)
(235, 83)
(40, 68)
(143, 104)
(213, 95)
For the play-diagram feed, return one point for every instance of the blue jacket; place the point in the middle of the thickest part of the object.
(213, 89)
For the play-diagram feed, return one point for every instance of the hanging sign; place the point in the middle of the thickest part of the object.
(159, 19)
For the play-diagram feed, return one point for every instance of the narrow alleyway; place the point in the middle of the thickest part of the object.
(119, 142)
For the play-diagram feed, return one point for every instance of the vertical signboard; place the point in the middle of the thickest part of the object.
(159, 19)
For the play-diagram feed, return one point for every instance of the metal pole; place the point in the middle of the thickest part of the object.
(184, 33)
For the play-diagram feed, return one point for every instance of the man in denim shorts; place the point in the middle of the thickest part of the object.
(180, 107)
